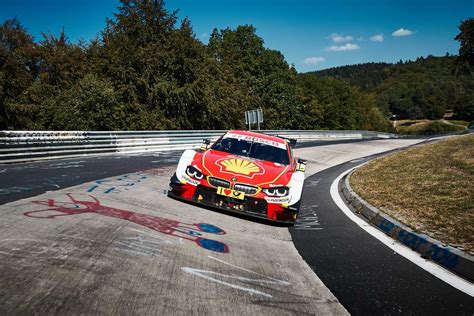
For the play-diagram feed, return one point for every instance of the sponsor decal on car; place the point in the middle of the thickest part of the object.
(277, 200)
(190, 181)
(256, 139)
(272, 185)
(231, 193)
(244, 167)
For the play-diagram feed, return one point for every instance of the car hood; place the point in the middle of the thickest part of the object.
(242, 169)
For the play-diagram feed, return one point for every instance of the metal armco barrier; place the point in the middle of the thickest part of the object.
(20, 146)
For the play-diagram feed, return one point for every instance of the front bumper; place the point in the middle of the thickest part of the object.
(250, 206)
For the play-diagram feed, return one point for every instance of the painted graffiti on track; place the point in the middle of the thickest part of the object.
(312, 183)
(116, 185)
(308, 219)
(55, 182)
(40, 249)
(64, 165)
(61, 246)
(89, 204)
(240, 278)
(138, 245)
(16, 189)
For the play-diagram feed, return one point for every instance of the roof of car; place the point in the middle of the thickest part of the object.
(264, 136)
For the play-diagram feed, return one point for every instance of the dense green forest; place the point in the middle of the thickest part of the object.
(367, 76)
(147, 70)
(424, 88)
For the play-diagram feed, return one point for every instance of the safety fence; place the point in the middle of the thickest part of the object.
(20, 146)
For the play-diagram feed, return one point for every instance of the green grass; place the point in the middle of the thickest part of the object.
(429, 188)
(429, 127)
(459, 122)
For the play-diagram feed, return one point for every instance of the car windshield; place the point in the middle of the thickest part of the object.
(252, 149)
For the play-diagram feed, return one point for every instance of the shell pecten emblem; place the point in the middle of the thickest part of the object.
(240, 166)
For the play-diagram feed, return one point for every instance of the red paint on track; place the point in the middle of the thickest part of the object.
(191, 232)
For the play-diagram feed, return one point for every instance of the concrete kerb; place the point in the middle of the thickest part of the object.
(448, 257)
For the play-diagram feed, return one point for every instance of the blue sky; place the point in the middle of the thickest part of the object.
(312, 35)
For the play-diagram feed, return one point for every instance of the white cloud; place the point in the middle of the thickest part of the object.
(402, 32)
(377, 38)
(314, 60)
(339, 38)
(342, 48)
(204, 35)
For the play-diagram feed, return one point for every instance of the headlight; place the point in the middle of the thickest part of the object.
(194, 173)
(277, 191)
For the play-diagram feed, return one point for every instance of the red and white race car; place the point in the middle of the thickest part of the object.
(245, 172)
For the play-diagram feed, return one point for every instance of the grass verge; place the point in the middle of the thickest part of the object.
(429, 188)
(427, 127)
(459, 122)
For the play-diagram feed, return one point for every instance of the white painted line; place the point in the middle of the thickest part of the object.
(430, 267)
(202, 274)
(232, 277)
(276, 281)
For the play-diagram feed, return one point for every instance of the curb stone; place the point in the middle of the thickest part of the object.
(450, 258)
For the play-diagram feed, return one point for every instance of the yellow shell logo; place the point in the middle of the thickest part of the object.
(240, 166)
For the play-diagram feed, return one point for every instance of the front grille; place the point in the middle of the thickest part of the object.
(252, 206)
(248, 189)
(216, 182)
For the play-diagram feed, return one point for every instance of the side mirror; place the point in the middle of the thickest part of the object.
(301, 165)
(205, 144)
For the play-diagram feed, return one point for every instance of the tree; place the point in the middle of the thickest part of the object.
(335, 104)
(62, 63)
(148, 71)
(165, 72)
(270, 81)
(465, 61)
(19, 66)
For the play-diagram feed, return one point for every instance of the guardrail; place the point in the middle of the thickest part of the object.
(21, 146)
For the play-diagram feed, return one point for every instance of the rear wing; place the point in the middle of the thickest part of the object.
(291, 141)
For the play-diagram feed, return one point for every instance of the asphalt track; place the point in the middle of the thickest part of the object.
(98, 235)
(22, 180)
(367, 277)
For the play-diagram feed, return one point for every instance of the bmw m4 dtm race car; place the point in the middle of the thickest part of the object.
(245, 172)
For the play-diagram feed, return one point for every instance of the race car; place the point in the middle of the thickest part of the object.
(245, 172)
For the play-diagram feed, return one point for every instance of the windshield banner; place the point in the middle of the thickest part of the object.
(256, 140)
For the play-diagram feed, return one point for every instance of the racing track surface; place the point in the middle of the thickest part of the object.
(98, 235)
(366, 276)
